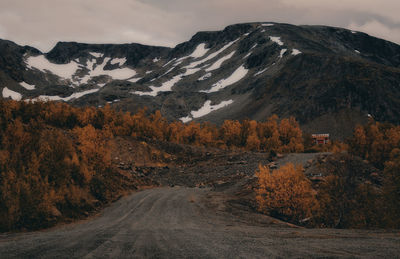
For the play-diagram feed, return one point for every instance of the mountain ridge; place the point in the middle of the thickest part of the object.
(324, 76)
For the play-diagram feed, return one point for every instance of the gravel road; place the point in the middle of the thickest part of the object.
(191, 222)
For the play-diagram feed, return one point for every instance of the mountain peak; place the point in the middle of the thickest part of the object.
(326, 77)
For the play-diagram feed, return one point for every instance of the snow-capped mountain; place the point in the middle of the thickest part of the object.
(328, 78)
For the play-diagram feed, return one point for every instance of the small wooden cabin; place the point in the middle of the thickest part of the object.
(321, 138)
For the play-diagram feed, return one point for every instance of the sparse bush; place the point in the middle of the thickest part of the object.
(345, 203)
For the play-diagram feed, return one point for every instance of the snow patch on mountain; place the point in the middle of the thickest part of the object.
(119, 61)
(118, 74)
(217, 64)
(199, 51)
(260, 72)
(67, 71)
(168, 71)
(62, 70)
(166, 64)
(277, 40)
(180, 60)
(165, 87)
(248, 54)
(227, 46)
(205, 76)
(90, 64)
(7, 93)
(27, 86)
(134, 80)
(65, 99)
(205, 109)
(210, 56)
(186, 119)
(190, 71)
(283, 51)
(96, 54)
(236, 76)
(295, 52)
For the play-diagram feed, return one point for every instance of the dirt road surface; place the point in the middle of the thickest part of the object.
(183, 222)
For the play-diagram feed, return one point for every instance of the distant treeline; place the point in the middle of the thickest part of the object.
(278, 135)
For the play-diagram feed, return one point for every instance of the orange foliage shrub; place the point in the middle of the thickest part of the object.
(285, 193)
(290, 136)
(230, 133)
(95, 149)
(375, 142)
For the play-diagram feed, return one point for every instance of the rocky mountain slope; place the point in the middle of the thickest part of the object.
(328, 78)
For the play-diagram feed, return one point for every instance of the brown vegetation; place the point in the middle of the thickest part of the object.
(55, 164)
(55, 161)
(344, 198)
(285, 193)
(351, 192)
(375, 142)
(379, 143)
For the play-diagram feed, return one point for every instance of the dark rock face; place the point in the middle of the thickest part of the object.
(64, 52)
(11, 58)
(328, 78)
(334, 83)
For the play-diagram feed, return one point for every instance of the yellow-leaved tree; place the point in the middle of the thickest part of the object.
(285, 193)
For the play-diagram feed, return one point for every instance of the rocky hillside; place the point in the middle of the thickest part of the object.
(328, 78)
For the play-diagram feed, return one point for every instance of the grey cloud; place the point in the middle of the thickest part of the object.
(378, 29)
(42, 23)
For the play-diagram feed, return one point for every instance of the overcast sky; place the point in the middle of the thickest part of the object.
(41, 23)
